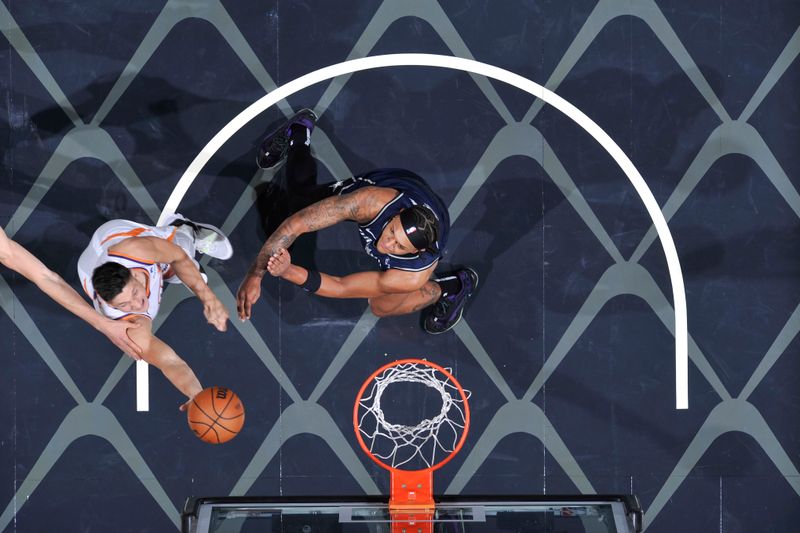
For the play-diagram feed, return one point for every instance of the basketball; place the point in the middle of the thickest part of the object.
(216, 415)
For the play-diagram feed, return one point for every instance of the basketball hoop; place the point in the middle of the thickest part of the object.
(432, 442)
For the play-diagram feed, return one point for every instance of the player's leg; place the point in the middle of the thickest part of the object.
(445, 295)
(301, 169)
(404, 303)
(292, 141)
(159, 354)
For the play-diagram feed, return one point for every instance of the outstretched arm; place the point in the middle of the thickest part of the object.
(159, 354)
(163, 251)
(393, 292)
(359, 206)
(17, 258)
(358, 285)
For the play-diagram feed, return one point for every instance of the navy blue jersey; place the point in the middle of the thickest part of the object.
(412, 191)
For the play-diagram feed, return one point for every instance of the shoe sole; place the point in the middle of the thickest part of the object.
(269, 136)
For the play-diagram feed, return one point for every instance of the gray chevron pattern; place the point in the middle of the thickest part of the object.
(299, 412)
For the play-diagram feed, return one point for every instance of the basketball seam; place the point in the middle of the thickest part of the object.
(202, 411)
(215, 433)
(214, 405)
(219, 415)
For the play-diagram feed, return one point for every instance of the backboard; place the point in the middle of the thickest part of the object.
(531, 514)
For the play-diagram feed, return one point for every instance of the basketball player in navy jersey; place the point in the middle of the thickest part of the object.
(402, 223)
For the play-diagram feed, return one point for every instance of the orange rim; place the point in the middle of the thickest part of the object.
(449, 377)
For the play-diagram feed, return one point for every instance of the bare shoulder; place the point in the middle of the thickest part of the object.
(148, 248)
(367, 202)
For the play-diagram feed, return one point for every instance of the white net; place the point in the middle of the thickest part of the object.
(432, 439)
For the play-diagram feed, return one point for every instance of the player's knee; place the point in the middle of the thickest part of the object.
(377, 309)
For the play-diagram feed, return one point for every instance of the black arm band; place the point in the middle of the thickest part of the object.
(312, 282)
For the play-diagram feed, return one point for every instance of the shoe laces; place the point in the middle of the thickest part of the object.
(279, 144)
(441, 307)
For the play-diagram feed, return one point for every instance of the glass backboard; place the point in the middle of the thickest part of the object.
(550, 514)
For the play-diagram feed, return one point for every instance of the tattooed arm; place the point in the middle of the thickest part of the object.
(359, 206)
(392, 292)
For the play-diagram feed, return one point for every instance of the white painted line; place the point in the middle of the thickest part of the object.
(523, 84)
(142, 386)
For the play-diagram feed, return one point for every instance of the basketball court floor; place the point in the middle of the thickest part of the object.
(568, 347)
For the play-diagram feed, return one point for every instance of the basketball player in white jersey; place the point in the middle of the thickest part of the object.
(20, 260)
(123, 270)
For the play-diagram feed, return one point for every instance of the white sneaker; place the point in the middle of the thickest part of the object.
(209, 240)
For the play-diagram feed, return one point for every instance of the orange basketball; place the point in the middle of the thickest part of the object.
(216, 415)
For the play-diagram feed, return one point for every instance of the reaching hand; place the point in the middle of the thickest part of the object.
(216, 314)
(117, 332)
(247, 295)
(184, 406)
(279, 262)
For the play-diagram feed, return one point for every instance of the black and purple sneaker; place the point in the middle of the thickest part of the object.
(447, 311)
(275, 145)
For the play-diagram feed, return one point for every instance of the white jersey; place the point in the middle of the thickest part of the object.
(97, 253)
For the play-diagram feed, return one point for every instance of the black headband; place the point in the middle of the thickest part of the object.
(414, 234)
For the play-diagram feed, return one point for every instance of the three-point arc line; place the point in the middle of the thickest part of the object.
(474, 67)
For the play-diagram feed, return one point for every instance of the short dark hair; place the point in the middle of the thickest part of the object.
(422, 218)
(109, 279)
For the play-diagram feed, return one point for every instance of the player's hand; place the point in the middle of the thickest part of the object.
(279, 262)
(117, 332)
(216, 314)
(248, 294)
(184, 406)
